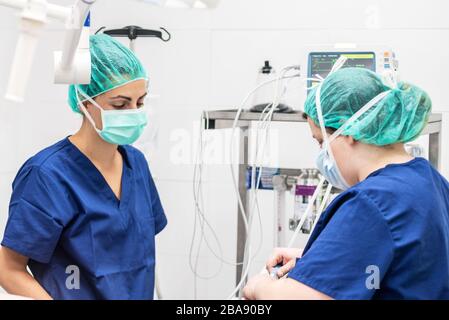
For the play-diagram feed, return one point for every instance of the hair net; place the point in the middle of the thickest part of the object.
(113, 65)
(399, 117)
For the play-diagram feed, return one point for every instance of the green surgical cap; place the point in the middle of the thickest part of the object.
(399, 117)
(113, 65)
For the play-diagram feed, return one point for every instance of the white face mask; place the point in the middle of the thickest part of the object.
(326, 161)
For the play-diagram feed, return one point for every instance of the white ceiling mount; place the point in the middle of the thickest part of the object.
(72, 64)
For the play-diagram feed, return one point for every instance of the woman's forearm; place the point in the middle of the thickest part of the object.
(286, 289)
(269, 289)
(14, 277)
(20, 282)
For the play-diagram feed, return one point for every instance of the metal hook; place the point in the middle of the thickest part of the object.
(99, 30)
(168, 34)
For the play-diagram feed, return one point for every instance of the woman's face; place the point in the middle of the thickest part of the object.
(343, 150)
(128, 96)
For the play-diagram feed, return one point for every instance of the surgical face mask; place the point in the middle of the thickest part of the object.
(120, 127)
(325, 161)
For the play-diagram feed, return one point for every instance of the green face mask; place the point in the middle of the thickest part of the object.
(120, 127)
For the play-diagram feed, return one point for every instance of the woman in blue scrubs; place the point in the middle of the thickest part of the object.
(84, 212)
(386, 236)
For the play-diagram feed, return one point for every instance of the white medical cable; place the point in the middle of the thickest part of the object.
(247, 251)
(306, 212)
(157, 286)
(247, 248)
(198, 198)
(196, 192)
(254, 186)
(247, 258)
(321, 209)
(271, 107)
(203, 219)
(231, 148)
(198, 206)
(199, 213)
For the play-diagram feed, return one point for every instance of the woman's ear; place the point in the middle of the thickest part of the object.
(350, 140)
(86, 104)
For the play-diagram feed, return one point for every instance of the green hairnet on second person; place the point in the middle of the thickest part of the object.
(113, 65)
(398, 118)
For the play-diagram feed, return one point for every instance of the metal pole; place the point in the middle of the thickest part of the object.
(241, 232)
(434, 149)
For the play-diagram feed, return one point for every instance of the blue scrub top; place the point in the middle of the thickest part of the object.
(64, 216)
(387, 237)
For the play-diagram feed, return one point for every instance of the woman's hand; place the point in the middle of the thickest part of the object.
(254, 284)
(285, 256)
(264, 287)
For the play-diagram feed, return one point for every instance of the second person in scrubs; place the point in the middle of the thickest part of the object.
(386, 235)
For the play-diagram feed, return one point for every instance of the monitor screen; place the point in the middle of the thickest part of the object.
(320, 63)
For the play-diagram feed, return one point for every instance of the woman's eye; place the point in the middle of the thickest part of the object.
(122, 105)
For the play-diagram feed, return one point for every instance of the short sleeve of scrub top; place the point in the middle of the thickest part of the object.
(38, 214)
(354, 242)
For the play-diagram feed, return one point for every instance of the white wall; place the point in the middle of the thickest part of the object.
(211, 63)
